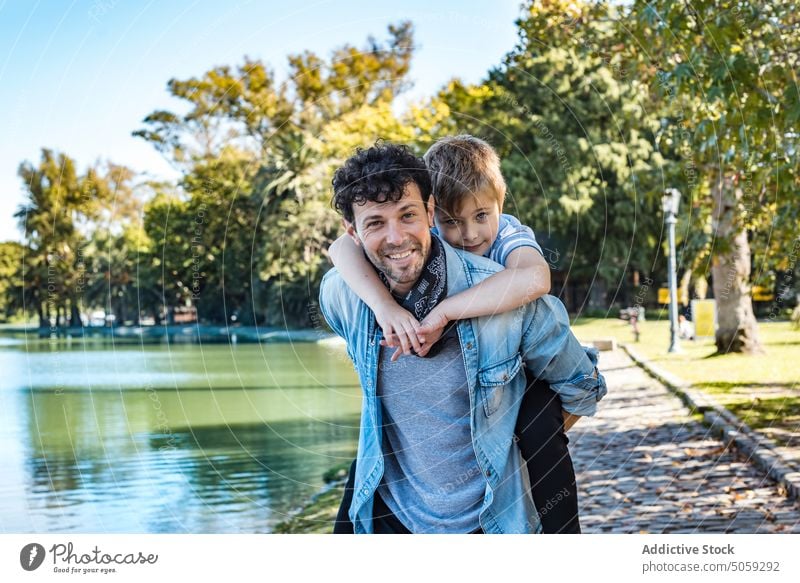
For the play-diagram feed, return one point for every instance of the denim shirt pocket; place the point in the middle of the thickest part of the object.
(493, 379)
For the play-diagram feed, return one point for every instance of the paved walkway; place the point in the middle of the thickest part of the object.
(644, 464)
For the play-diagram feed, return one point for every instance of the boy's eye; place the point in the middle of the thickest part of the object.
(450, 222)
(482, 216)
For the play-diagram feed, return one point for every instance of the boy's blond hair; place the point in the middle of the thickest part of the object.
(462, 165)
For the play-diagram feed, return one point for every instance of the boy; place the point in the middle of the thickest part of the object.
(469, 192)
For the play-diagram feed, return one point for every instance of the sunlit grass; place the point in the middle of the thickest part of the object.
(698, 362)
(763, 390)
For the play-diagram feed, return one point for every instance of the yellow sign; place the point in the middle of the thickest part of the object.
(704, 314)
(762, 294)
(663, 296)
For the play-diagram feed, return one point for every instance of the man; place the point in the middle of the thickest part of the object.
(436, 448)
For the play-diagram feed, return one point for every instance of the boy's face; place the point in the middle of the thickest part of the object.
(474, 227)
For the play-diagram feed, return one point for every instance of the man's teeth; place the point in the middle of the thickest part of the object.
(400, 255)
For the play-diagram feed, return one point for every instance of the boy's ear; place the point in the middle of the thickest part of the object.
(350, 229)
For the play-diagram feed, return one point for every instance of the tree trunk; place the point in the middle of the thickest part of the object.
(75, 315)
(598, 295)
(122, 306)
(737, 330)
(683, 286)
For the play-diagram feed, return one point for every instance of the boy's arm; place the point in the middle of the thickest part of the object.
(569, 419)
(525, 279)
(552, 353)
(359, 275)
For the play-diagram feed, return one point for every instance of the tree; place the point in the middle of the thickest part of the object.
(261, 154)
(62, 210)
(117, 273)
(12, 288)
(725, 72)
(570, 124)
(48, 220)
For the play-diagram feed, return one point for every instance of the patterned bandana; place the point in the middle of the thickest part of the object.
(430, 289)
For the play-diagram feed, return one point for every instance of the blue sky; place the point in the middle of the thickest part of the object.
(79, 76)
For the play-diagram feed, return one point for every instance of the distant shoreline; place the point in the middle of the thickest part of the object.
(188, 333)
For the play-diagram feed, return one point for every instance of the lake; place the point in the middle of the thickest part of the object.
(168, 438)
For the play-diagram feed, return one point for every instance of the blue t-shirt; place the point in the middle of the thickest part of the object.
(511, 235)
(432, 481)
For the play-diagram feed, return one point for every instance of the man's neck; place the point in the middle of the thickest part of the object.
(400, 291)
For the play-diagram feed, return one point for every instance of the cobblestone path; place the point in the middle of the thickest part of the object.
(644, 464)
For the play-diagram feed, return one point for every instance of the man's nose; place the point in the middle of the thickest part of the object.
(394, 234)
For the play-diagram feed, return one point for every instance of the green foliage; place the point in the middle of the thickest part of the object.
(257, 156)
(61, 209)
(11, 284)
(575, 137)
(596, 109)
(724, 72)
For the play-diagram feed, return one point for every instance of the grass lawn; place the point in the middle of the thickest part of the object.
(763, 390)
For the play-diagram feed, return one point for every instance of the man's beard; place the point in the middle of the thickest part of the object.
(404, 275)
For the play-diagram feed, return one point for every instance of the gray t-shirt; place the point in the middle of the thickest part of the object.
(432, 481)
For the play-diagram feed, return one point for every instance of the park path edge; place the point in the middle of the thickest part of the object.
(733, 430)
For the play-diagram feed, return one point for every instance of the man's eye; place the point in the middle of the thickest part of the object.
(409, 215)
(373, 224)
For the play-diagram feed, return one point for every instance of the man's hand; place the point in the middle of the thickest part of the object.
(400, 329)
(569, 419)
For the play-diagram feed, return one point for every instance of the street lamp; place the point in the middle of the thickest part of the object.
(669, 203)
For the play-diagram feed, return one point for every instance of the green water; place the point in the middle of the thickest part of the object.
(168, 438)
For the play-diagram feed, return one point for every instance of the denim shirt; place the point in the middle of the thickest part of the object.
(495, 348)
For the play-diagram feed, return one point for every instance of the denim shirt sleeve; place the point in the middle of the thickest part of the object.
(330, 302)
(551, 352)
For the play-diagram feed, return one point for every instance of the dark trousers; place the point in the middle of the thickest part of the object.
(543, 443)
(343, 525)
(383, 519)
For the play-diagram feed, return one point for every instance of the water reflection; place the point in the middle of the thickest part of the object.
(179, 458)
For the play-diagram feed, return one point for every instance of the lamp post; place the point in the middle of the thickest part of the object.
(669, 203)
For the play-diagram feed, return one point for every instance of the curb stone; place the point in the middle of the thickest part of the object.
(724, 423)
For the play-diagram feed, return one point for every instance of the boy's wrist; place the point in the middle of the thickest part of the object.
(384, 306)
(442, 309)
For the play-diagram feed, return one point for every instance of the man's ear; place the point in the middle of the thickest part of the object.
(430, 208)
(350, 229)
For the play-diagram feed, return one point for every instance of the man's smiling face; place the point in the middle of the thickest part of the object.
(395, 236)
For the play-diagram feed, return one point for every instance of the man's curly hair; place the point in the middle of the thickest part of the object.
(378, 174)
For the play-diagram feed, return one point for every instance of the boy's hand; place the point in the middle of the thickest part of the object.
(399, 329)
(569, 419)
(431, 329)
